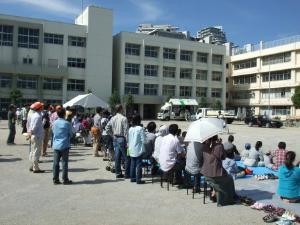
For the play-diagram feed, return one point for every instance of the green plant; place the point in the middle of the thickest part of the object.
(114, 100)
(15, 96)
(128, 101)
(296, 97)
(217, 105)
(203, 103)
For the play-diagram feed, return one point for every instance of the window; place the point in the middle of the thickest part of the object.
(27, 82)
(185, 91)
(216, 76)
(186, 55)
(5, 81)
(6, 35)
(243, 95)
(57, 39)
(150, 89)
(216, 92)
(217, 59)
(27, 60)
(201, 74)
(150, 70)
(277, 110)
(186, 73)
(52, 102)
(52, 84)
(76, 85)
(132, 49)
(202, 57)
(169, 72)
(132, 69)
(76, 62)
(275, 59)
(77, 41)
(247, 79)
(151, 51)
(28, 38)
(169, 53)
(277, 75)
(201, 91)
(276, 93)
(168, 90)
(244, 64)
(132, 88)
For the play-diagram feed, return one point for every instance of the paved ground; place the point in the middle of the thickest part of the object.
(96, 197)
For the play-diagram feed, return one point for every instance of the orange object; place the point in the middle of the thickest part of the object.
(95, 131)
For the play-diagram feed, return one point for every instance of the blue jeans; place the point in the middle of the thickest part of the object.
(120, 151)
(136, 169)
(64, 155)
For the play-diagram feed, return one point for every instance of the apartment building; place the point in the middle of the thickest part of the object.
(53, 61)
(152, 68)
(263, 77)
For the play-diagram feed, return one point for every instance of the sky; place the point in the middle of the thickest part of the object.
(243, 21)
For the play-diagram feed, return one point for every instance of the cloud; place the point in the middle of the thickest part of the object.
(56, 6)
(149, 9)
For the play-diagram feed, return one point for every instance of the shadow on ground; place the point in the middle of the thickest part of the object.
(256, 194)
(96, 181)
(81, 169)
(10, 160)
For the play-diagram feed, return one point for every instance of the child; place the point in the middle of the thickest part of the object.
(245, 153)
(230, 166)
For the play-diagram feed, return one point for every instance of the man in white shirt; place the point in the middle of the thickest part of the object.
(36, 133)
(171, 157)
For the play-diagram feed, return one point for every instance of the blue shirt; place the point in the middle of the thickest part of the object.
(136, 140)
(62, 132)
(289, 182)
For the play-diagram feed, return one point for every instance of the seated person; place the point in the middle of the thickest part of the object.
(229, 145)
(245, 153)
(194, 161)
(289, 179)
(277, 157)
(256, 156)
(215, 174)
(149, 141)
(162, 131)
(230, 165)
(171, 156)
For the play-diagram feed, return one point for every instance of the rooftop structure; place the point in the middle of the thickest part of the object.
(212, 35)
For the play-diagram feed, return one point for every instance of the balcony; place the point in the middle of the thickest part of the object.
(44, 70)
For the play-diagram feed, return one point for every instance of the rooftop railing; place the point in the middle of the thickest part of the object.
(266, 45)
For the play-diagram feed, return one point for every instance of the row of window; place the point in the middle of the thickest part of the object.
(170, 53)
(275, 59)
(170, 72)
(26, 82)
(249, 63)
(169, 90)
(29, 38)
(276, 93)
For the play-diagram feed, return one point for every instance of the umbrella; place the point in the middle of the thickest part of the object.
(203, 129)
(87, 101)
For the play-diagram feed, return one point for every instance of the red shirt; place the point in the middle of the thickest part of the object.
(279, 155)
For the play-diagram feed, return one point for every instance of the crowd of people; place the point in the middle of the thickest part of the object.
(124, 142)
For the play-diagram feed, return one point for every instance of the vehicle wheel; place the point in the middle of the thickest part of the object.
(250, 124)
(268, 125)
(167, 118)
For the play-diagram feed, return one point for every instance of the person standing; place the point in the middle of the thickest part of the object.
(118, 127)
(46, 126)
(96, 131)
(62, 133)
(36, 134)
(136, 140)
(11, 116)
(24, 114)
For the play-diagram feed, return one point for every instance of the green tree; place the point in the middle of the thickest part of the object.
(128, 101)
(114, 100)
(217, 105)
(15, 96)
(203, 103)
(168, 98)
(296, 97)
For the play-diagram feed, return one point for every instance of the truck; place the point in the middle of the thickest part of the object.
(177, 109)
(228, 115)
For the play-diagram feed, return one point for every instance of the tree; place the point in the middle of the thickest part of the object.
(128, 100)
(217, 105)
(203, 103)
(15, 95)
(296, 97)
(114, 100)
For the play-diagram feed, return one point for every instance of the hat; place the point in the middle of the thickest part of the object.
(37, 105)
(247, 146)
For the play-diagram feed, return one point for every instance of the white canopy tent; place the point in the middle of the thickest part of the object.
(87, 101)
